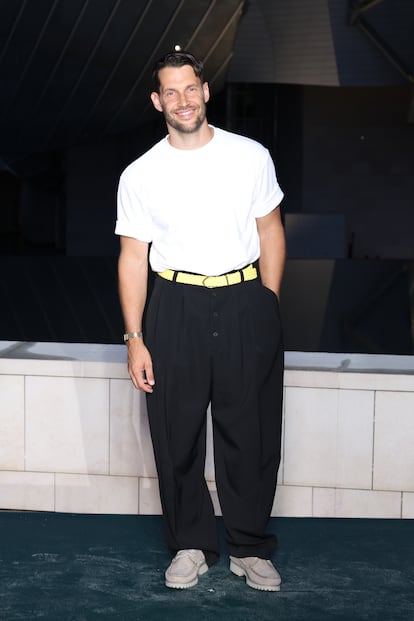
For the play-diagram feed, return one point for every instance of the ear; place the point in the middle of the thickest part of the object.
(155, 98)
(206, 92)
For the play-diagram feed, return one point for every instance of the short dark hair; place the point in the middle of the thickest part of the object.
(176, 59)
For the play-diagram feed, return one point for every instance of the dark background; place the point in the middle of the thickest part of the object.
(327, 87)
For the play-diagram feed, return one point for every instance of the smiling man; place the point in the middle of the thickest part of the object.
(206, 203)
(182, 98)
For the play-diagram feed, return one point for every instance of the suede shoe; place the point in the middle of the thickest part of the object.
(260, 574)
(185, 568)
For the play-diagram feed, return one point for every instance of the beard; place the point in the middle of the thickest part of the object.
(186, 128)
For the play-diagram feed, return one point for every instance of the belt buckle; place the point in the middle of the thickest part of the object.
(205, 284)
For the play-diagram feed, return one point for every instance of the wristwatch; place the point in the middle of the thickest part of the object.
(132, 335)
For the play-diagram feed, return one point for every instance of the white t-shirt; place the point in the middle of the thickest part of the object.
(199, 207)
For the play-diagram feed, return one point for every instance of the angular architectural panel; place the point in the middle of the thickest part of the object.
(72, 71)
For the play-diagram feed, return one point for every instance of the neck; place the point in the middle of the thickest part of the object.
(195, 140)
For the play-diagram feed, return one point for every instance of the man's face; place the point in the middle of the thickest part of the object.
(182, 98)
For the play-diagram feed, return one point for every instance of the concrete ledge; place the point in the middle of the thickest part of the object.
(75, 434)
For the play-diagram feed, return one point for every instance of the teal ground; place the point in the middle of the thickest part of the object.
(60, 567)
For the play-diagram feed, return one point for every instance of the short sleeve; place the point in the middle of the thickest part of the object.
(267, 192)
(133, 220)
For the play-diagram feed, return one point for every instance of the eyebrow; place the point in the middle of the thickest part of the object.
(171, 88)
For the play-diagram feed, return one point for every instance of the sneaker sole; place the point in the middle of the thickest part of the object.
(187, 585)
(239, 571)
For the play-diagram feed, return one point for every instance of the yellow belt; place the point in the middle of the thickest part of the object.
(233, 278)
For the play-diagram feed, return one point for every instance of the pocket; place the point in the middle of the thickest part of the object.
(266, 321)
(271, 295)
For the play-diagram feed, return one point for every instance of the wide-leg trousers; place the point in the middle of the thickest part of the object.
(221, 346)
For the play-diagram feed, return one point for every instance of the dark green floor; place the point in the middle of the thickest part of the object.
(59, 567)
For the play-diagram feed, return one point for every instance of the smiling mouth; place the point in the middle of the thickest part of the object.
(185, 113)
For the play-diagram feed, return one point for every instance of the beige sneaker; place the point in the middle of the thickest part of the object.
(185, 568)
(260, 574)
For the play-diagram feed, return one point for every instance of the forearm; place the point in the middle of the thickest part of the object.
(132, 276)
(272, 255)
(132, 282)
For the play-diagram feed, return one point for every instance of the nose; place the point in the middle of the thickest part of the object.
(182, 99)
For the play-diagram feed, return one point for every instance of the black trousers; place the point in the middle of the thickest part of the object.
(221, 346)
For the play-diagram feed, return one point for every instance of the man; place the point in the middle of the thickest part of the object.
(207, 202)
